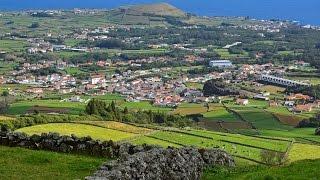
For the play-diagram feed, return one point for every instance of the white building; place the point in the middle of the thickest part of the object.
(281, 81)
(220, 63)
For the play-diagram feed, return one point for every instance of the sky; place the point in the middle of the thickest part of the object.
(306, 11)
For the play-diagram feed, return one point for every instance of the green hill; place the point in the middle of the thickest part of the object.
(160, 9)
(147, 14)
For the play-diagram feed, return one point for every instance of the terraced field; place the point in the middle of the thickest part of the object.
(6, 118)
(23, 106)
(80, 130)
(304, 151)
(300, 134)
(241, 146)
(119, 126)
(220, 113)
(260, 118)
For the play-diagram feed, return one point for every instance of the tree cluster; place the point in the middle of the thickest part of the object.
(112, 112)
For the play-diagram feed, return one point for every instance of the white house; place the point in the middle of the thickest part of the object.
(220, 63)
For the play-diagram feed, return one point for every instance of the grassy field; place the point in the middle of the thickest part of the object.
(302, 134)
(80, 130)
(6, 118)
(22, 106)
(236, 144)
(306, 169)
(150, 140)
(18, 163)
(220, 113)
(304, 151)
(12, 45)
(119, 126)
(259, 118)
(194, 85)
(239, 145)
(224, 53)
(271, 89)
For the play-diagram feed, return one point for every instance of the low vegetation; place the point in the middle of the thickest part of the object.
(18, 163)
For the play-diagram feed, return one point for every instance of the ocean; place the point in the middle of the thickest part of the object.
(304, 11)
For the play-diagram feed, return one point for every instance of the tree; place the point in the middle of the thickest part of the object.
(217, 87)
(5, 94)
(96, 107)
(126, 111)
(35, 25)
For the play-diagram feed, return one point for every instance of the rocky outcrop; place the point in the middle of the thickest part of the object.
(163, 164)
(317, 132)
(70, 144)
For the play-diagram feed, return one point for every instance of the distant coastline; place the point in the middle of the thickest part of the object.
(305, 12)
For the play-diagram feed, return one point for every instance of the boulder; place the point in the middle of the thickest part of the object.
(163, 164)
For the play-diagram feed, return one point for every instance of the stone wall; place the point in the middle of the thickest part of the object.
(133, 162)
(70, 144)
(163, 164)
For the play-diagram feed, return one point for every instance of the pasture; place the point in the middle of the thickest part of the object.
(119, 126)
(240, 146)
(300, 134)
(80, 130)
(260, 118)
(13, 45)
(304, 151)
(18, 163)
(297, 170)
(21, 107)
(219, 113)
(237, 145)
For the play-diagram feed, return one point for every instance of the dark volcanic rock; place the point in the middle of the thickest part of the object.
(163, 164)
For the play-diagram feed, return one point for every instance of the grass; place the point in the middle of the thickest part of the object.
(271, 89)
(259, 118)
(220, 113)
(240, 145)
(304, 151)
(22, 106)
(80, 130)
(18, 163)
(246, 140)
(306, 169)
(150, 140)
(301, 134)
(287, 117)
(144, 105)
(183, 111)
(6, 118)
(12, 45)
(225, 54)
(119, 126)
(194, 85)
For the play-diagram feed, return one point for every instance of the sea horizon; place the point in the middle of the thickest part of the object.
(305, 12)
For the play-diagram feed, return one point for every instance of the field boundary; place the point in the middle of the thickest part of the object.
(86, 123)
(286, 155)
(251, 146)
(168, 141)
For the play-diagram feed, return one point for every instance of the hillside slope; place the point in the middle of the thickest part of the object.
(161, 9)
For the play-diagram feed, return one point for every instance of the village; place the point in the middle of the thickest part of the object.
(160, 86)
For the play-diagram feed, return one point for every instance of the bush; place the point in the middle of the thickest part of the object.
(30, 120)
(272, 157)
